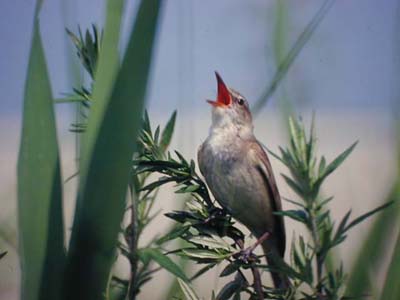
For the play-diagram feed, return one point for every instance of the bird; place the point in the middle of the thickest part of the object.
(239, 174)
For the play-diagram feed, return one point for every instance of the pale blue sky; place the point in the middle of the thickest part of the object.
(351, 61)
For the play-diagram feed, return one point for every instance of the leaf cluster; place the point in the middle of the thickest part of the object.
(209, 230)
(308, 173)
(88, 49)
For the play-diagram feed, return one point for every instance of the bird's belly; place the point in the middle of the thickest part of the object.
(240, 189)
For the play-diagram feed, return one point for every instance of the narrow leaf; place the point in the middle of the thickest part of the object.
(231, 288)
(110, 141)
(295, 187)
(166, 135)
(210, 242)
(164, 261)
(391, 289)
(292, 54)
(203, 254)
(3, 254)
(187, 290)
(40, 215)
(366, 215)
(338, 161)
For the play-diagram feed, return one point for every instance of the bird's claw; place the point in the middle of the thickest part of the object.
(247, 255)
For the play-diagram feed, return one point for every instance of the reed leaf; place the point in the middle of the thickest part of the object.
(40, 217)
(110, 142)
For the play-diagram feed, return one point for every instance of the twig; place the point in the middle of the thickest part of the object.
(257, 283)
(133, 244)
(317, 245)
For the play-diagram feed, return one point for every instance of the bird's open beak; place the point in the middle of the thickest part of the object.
(224, 97)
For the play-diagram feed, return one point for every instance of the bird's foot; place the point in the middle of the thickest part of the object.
(247, 255)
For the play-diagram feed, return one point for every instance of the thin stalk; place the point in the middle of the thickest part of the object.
(288, 60)
(257, 283)
(317, 244)
(133, 243)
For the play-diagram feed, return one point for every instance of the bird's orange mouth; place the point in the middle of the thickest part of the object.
(224, 97)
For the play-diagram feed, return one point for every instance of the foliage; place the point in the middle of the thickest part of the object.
(307, 175)
(214, 238)
(107, 169)
(211, 231)
(40, 213)
(116, 103)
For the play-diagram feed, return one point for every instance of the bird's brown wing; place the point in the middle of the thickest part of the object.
(265, 169)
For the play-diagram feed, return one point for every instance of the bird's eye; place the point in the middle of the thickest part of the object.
(240, 101)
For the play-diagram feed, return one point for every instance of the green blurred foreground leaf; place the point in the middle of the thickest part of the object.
(391, 289)
(371, 254)
(110, 142)
(40, 217)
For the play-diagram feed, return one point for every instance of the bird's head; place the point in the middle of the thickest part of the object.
(230, 109)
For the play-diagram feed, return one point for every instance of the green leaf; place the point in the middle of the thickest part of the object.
(166, 135)
(391, 289)
(187, 290)
(164, 261)
(322, 165)
(342, 226)
(203, 270)
(146, 123)
(181, 216)
(229, 269)
(371, 254)
(366, 215)
(156, 135)
(188, 189)
(338, 161)
(40, 214)
(203, 254)
(70, 99)
(173, 234)
(157, 183)
(109, 143)
(298, 215)
(231, 288)
(285, 64)
(3, 254)
(211, 242)
(295, 187)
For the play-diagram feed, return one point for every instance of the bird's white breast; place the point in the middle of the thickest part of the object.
(231, 176)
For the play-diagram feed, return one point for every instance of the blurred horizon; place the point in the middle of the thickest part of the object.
(350, 62)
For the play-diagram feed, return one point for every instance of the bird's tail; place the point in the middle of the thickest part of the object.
(272, 255)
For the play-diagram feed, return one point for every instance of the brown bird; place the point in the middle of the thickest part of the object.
(239, 174)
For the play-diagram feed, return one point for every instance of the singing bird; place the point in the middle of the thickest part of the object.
(239, 174)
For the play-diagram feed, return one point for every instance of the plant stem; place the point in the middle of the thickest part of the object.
(257, 283)
(133, 243)
(317, 245)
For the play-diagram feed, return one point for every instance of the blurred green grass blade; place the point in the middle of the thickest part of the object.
(372, 251)
(111, 136)
(285, 64)
(391, 289)
(40, 218)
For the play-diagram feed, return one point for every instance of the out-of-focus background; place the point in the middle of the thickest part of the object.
(348, 73)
